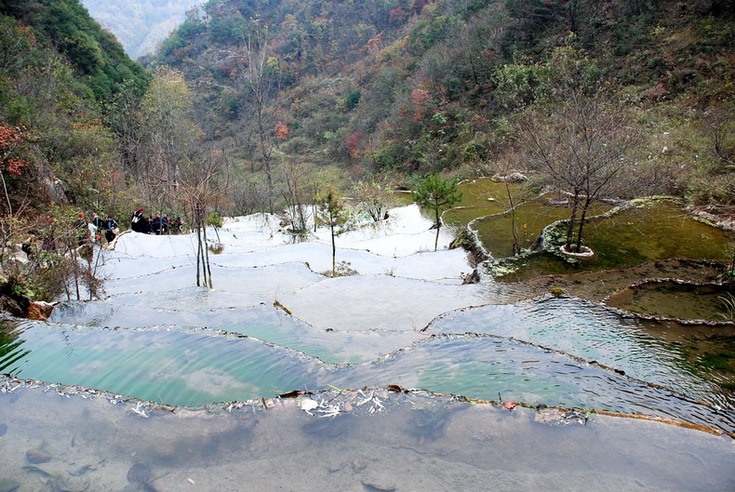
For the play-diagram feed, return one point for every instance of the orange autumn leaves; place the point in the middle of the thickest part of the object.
(11, 139)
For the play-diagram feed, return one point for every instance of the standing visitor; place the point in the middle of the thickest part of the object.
(111, 228)
(138, 222)
(95, 226)
(156, 224)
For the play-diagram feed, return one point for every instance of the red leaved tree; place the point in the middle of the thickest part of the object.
(281, 131)
(11, 140)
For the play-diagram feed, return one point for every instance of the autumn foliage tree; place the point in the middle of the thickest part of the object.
(280, 131)
(11, 140)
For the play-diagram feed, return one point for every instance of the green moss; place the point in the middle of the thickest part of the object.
(557, 291)
(723, 361)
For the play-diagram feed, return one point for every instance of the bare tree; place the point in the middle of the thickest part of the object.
(582, 146)
(506, 171)
(298, 186)
(169, 133)
(375, 197)
(249, 196)
(261, 75)
(203, 180)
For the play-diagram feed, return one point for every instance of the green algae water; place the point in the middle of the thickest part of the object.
(648, 230)
(674, 300)
(651, 231)
(482, 197)
(496, 235)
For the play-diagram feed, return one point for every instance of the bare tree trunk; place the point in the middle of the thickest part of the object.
(438, 225)
(585, 207)
(199, 254)
(207, 267)
(516, 244)
(334, 252)
(76, 273)
(7, 196)
(572, 220)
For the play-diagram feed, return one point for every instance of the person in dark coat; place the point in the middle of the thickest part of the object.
(138, 222)
(156, 224)
(110, 226)
(97, 222)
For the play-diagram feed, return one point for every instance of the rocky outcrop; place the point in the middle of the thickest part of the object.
(513, 177)
(15, 302)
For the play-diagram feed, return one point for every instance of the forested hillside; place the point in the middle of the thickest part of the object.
(140, 25)
(62, 83)
(410, 86)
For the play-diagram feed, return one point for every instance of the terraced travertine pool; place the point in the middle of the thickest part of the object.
(76, 407)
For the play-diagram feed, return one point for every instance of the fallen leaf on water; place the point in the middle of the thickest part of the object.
(290, 394)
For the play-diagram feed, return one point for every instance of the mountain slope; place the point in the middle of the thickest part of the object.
(140, 25)
(59, 77)
(417, 86)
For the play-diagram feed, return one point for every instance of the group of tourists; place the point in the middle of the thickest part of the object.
(97, 227)
(155, 225)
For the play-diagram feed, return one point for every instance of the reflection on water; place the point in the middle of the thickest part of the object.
(414, 442)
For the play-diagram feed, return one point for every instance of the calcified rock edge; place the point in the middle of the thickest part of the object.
(369, 439)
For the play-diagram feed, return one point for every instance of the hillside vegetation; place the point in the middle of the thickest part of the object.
(411, 86)
(62, 80)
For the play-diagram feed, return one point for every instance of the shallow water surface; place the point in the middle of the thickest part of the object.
(168, 367)
(647, 351)
(411, 442)
(177, 368)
